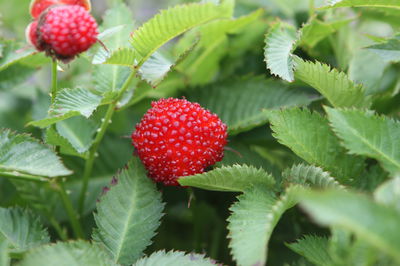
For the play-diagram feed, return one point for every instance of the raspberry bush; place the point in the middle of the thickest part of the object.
(199, 133)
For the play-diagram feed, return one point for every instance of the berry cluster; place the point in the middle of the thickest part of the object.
(63, 28)
(178, 138)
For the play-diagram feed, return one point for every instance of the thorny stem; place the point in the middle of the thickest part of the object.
(53, 80)
(100, 134)
(72, 215)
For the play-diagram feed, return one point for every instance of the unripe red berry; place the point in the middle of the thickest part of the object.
(178, 138)
(64, 31)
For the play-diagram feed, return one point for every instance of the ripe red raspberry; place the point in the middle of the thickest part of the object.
(38, 6)
(64, 31)
(178, 138)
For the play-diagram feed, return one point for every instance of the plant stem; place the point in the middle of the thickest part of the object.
(53, 80)
(61, 233)
(311, 6)
(93, 150)
(73, 217)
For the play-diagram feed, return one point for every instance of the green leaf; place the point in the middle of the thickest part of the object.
(230, 100)
(76, 253)
(389, 193)
(22, 154)
(4, 252)
(203, 64)
(280, 43)
(69, 103)
(252, 221)
(366, 133)
(21, 229)
(309, 136)
(174, 21)
(174, 258)
(229, 178)
(316, 30)
(52, 137)
(125, 56)
(371, 222)
(313, 248)
(128, 215)
(361, 3)
(309, 175)
(389, 51)
(78, 131)
(335, 86)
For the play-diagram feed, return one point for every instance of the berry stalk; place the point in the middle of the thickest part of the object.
(72, 214)
(96, 143)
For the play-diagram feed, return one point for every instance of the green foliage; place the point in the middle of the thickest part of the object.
(174, 258)
(368, 134)
(308, 135)
(361, 3)
(173, 22)
(308, 175)
(314, 248)
(389, 50)
(128, 215)
(389, 193)
(67, 254)
(21, 230)
(338, 89)
(280, 42)
(22, 155)
(230, 178)
(235, 110)
(70, 103)
(253, 218)
(374, 223)
(284, 145)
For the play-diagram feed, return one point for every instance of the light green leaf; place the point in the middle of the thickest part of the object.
(280, 43)
(119, 59)
(361, 3)
(309, 175)
(252, 221)
(174, 21)
(129, 214)
(389, 51)
(203, 64)
(313, 248)
(22, 154)
(316, 30)
(125, 56)
(371, 222)
(310, 137)
(69, 103)
(4, 251)
(230, 100)
(389, 193)
(21, 229)
(75, 253)
(230, 178)
(174, 258)
(368, 134)
(52, 137)
(335, 86)
(78, 131)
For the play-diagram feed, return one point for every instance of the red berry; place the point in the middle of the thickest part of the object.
(38, 6)
(31, 35)
(178, 138)
(65, 31)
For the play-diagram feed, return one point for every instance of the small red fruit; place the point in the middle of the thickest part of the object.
(178, 138)
(39, 6)
(64, 31)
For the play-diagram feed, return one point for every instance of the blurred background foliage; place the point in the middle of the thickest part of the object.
(202, 227)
